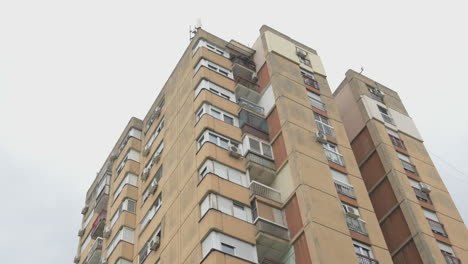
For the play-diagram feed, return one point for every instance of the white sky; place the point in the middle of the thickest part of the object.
(72, 73)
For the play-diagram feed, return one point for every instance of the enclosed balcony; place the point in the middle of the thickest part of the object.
(409, 167)
(243, 67)
(260, 168)
(422, 196)
(103, 195)
(265, 191)
(437, 227)
(247, 89)
(397, 142)
(253, 124)
(98, 225)
(362, 259)
(451, 259)
(244, 103)
(356, 225)
(345, 189)
(94, 255)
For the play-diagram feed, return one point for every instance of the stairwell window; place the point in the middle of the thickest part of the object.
(332, 153)
(323, 125)
(151, 213)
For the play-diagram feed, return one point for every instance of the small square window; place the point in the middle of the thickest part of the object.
(227, 249)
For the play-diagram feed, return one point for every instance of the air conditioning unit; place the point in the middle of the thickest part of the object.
(154, 243)
(320, 137)
(144, 174)
(146, 150)
(234, 152)
(352, 212)
(379, 93)
(425, 187)
(153, 188)
(301, 53)
(81, 232)
(107, 232)
(85, 209)
(156, 158)
(157, 112)
(77, 259)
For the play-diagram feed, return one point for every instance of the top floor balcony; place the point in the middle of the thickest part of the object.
(243, 67)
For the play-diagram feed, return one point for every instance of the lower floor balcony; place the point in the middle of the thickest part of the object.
(260, 168)
(366, 260)
(94, 255)
(272, 239)
(265, 191)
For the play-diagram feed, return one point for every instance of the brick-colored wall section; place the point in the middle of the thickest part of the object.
(383, 198)
(362, 145)
(263, 77)
(279, 151)
(293, 216)
(395, 229)
(273, 123)
(301, 251)
(408, 255)
(372, 170)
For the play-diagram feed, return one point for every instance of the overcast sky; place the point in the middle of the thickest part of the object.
(72, 73)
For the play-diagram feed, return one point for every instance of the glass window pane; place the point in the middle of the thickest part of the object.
(254, 145)
(216, 113)
(267, 150)
(224, 143)
(229, 120)
(213, 139)
(227, 249)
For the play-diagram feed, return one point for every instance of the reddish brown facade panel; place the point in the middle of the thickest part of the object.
(279, 150)
(301, 251)
(395, 230)
(362, 145)
(408, 255)
(263, 77)
(383, 199)
(273, 123)
(293, 216)
(372, 170)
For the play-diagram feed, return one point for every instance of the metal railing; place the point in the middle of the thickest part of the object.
(366, 260)
(311, 82)
(345, 189)
(356, 225)
(99, 223)
(265, 191)
(252, 157)
(422, 196)
(244, 62)
(97, 245)
(271, 228)
(437, 227)
(388, 119)
(326, 129)
(334, 157)
(397, 142)
(451, 259)
(242, 102)
(409, 167)
(317, 104)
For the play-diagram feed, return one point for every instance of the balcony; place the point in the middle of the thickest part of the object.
(318, 104)
(437, 227)
(253, 124)
(451, 259)
(388, 119)
(366, 260)
(345, 189)
(243, 67)
(265, 191)
(244, 103)
(422, 196)
(335, 157)
(397, 142)
(98, 225)
(356, 225)
(260, 168)
(102, 198)
(409, 167)
(272, 240)
(94, 255)
(310, 82)
(247, 89)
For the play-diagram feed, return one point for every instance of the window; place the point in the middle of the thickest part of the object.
(223, 171)
(332, 153)
(218, 114)
(152, 161)
(131, 155)
(305, 61)
(375, 93)
(151, 213)
(124, 234)
(86, 242)
(259, 147)
(385, 115)
(218, 140)
(146, 249)
(122, 261)
(210, 46)
(130, 179)
(154, 182)
(316, 101)
(133, 132)
(154, 135)
(153, 114)
(213, 88)
(323, 125)
(362, 249)
(403, 157)
(214, 67)
(227, 206)
(229, 245)
(127, 205)
(302, 55)
(88, 219)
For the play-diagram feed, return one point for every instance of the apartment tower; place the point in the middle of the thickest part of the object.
(242, 158)
(417, 216)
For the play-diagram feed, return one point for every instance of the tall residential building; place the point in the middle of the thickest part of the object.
(417, 216)
(242, 158)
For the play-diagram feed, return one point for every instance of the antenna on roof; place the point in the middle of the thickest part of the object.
(362, 69)
(193, 31)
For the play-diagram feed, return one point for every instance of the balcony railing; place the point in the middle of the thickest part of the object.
(247, 83)
(94, 255)
(451, 259)
(422, 196)
(252, 157)
(242, 102)
(388, 119)
(317, 104)
(437, 227)
(265, 191)
(271, 228)
(409, 167)
(311, 82)
(366, 260)
(397, 142)
(244, 62)
(326, 129)
(345, 189)
(98, 225)
(356, 225)
(334, 157)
